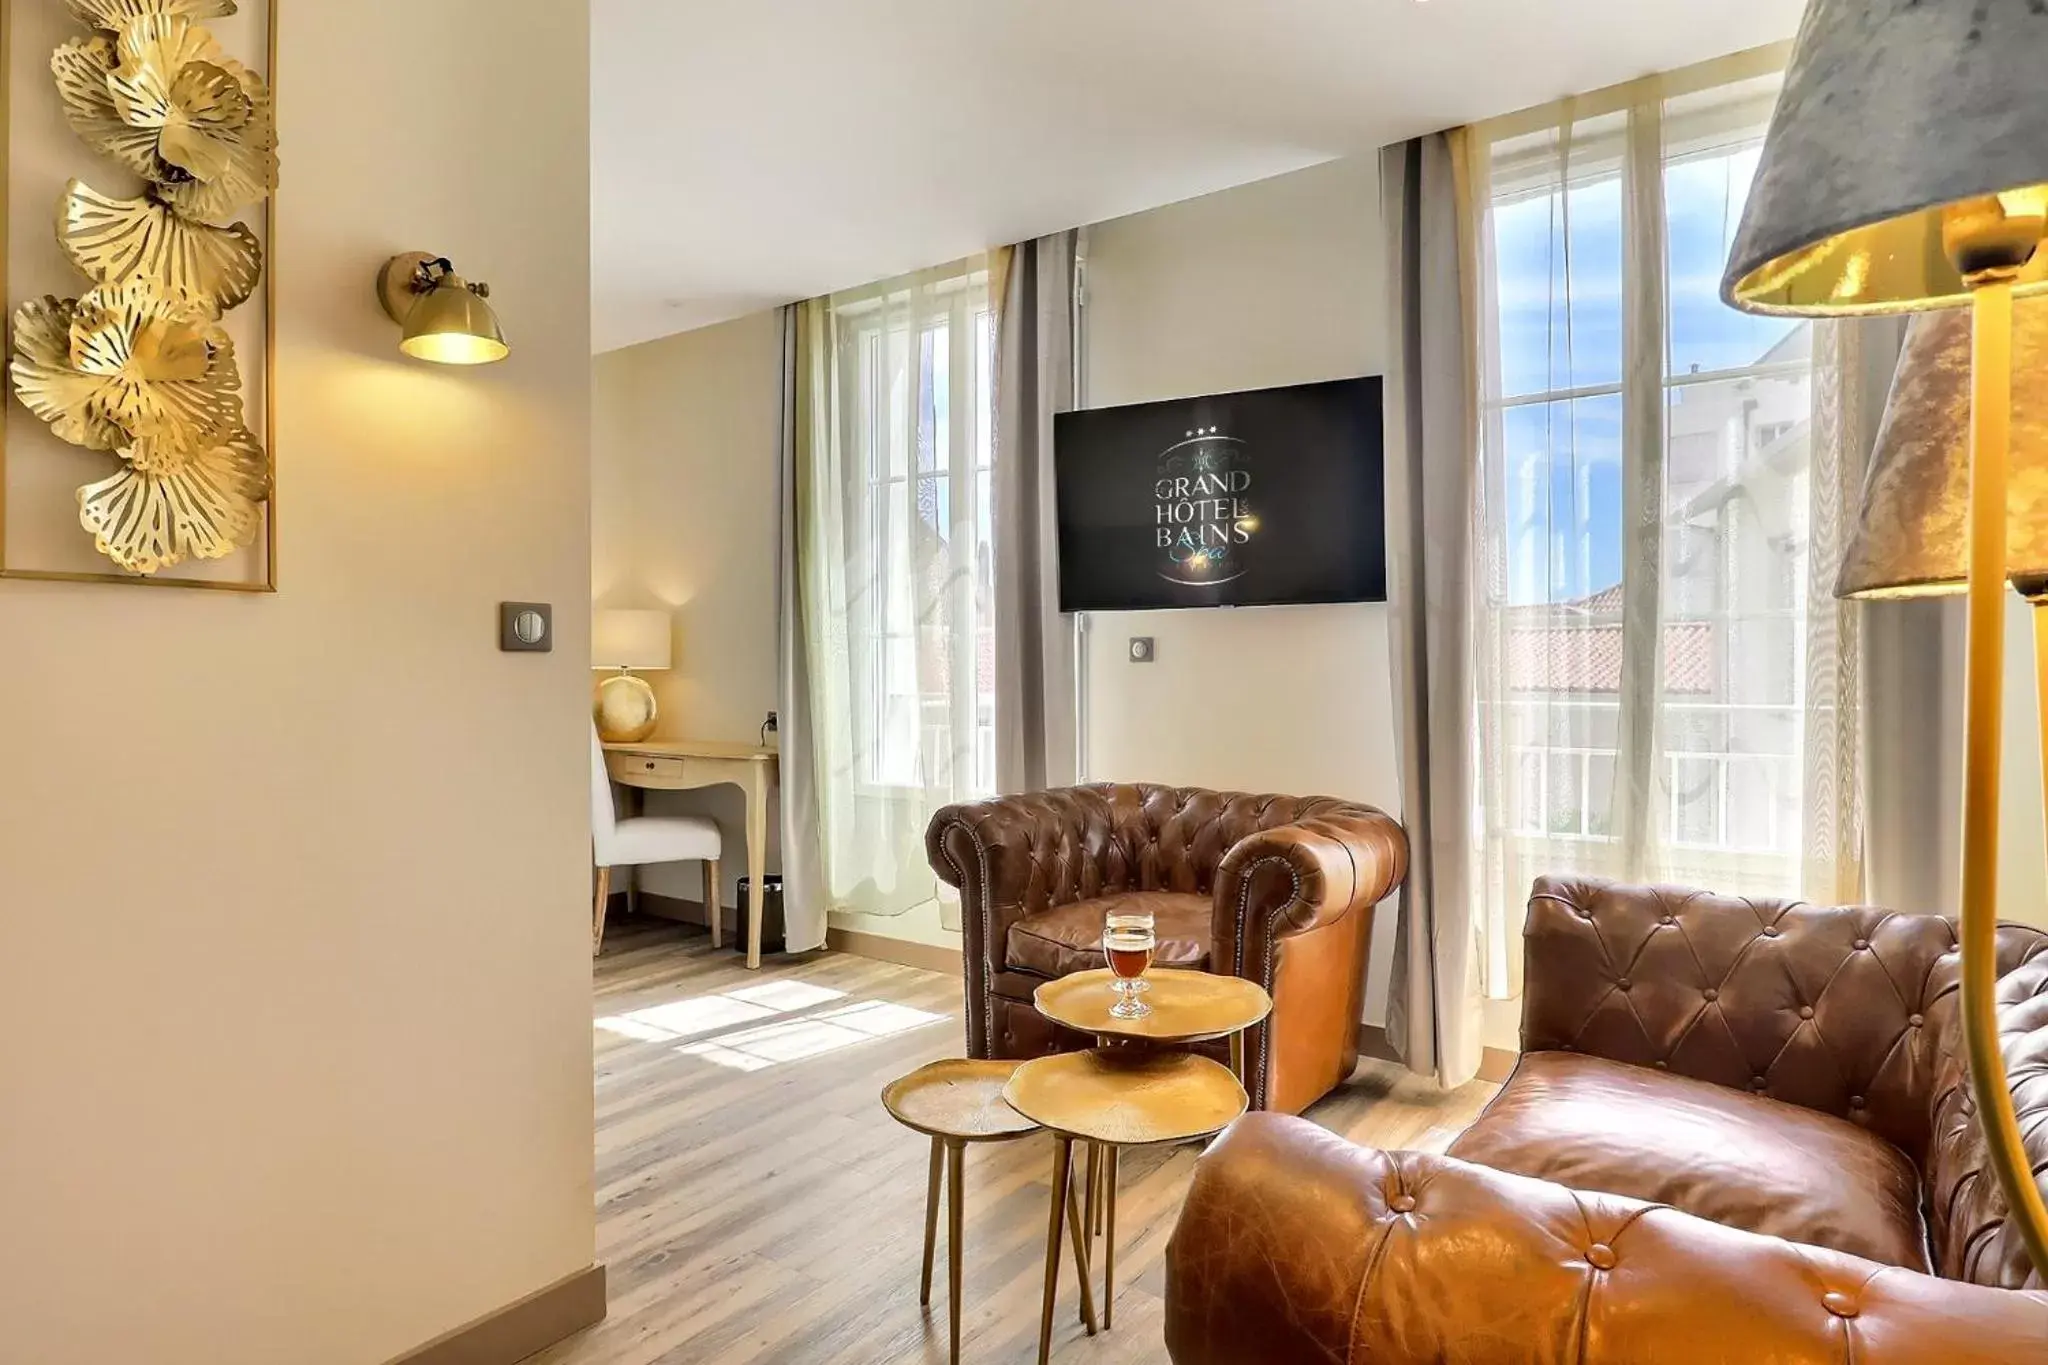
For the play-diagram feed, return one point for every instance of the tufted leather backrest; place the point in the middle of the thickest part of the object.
(1824, 1007)
(1967, 1211)
(1042, 849)
(1849, 1010)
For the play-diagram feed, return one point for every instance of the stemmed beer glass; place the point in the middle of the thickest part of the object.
(1129, 941)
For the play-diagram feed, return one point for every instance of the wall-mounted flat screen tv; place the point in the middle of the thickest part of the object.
(1256, 499)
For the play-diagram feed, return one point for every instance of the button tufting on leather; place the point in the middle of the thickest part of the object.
(1402, 1203)
(1662, 1065)
(1624, 984)
(1668, 921)
(1838, 1303)
(1601, 1256)
(1732, 983)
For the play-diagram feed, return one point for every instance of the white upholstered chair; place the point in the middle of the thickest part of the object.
(642, 840)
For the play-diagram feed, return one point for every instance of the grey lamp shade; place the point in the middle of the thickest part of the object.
(1912, 539)
(1891, 109)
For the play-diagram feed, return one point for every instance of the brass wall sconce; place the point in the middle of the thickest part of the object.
(447, 320)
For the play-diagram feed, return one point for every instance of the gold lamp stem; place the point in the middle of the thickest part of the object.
(1990, 423)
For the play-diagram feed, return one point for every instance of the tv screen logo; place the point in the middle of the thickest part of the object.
(1203, 518)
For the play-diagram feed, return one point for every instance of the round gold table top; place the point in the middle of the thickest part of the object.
(1187, 1007)
(957, 1099)
(1127, 1096)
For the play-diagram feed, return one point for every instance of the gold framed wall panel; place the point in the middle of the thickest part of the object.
(17, 426)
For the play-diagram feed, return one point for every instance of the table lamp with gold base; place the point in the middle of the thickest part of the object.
(1907, 169)
(628, 640)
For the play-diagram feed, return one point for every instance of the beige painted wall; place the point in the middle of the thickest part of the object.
(684, 519)
(295, 976)
(1278, 282)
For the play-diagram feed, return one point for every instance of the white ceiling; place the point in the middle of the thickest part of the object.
(750, 152)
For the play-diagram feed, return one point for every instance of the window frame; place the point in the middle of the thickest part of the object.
(1527, 829)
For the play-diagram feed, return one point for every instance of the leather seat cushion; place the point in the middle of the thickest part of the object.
(1068, 938)
(1734, 1158)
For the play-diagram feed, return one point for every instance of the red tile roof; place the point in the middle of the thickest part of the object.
(1576, 647)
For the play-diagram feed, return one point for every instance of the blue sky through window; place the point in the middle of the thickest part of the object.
(1560, 327)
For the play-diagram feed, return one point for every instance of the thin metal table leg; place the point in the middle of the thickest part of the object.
(931, 1221)
(956, 1160)
(1079, 1230)
(1102, 1191)
(1094, 1187)
(1109, 1164)
(1062, 1167)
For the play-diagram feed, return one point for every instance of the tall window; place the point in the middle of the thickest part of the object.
(923, 428)
(1644, 645)
(899, 570)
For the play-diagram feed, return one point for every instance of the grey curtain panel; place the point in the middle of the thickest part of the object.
(804, 897)
(1912, 693)
(1433, 1006)
(1033, 285)
(1913, 750)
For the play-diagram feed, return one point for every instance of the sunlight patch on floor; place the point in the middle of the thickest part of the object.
(793, 1040)
(787, 996)
(739, 1028)
(686, 1018)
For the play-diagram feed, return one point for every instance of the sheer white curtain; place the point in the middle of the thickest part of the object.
(1667, 690)
(894, 571)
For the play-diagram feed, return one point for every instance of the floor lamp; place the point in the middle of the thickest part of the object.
(1905, 171)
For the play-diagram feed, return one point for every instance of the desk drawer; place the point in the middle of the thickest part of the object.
(646, 768)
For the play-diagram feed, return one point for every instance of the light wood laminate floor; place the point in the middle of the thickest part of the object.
(755, 1203)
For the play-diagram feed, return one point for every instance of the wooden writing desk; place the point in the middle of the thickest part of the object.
(674, 765)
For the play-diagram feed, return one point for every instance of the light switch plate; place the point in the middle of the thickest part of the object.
(1144, 650)
(526, 628)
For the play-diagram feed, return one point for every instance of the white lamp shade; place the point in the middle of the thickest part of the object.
(631, 639)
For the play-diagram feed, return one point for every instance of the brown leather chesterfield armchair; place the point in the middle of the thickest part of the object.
(1740, 1132)
(1275, 889)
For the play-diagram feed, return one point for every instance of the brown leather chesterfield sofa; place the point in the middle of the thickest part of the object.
(1740, 1132)
(1275, 889)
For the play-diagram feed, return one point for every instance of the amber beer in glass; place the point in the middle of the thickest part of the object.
(1129, 941)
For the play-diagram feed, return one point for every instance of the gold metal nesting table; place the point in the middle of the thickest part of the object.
(955, 1103)
(1129, 1092)
(1187, 1007)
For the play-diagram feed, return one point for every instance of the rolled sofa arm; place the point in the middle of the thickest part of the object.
(1295, 878)
(1297, 1248)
